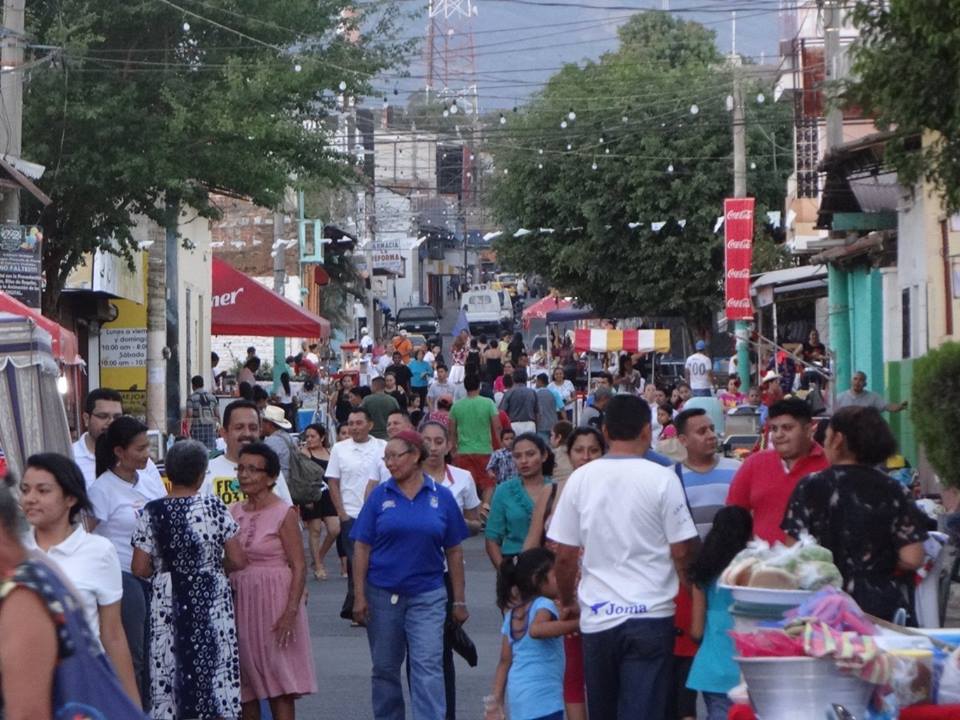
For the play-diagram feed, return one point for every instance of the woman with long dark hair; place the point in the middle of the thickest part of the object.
(53, 496)
(322, 513)
(287, 400)
(118, 496)
(516, 348)
(513, 501)
(863, 516)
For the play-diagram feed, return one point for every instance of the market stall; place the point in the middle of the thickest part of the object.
(31, 405)
(628, 341)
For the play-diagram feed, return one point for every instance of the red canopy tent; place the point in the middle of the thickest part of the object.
(242, 306)
(63, 342)
(539, 310)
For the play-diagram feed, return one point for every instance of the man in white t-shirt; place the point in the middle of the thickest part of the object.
(630, 518)
(102, 407)
(352, 464)
(699, 371)
(241, 426)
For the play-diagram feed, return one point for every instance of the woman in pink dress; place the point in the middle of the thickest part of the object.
(276, 662)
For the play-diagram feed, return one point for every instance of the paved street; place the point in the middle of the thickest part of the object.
(343, 658)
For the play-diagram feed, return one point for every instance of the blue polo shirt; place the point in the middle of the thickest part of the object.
(408, 538)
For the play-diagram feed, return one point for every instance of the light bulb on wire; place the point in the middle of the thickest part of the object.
(594, 166)
(503, 120)
(670, 168)
(761, 98)
(563, 124)
(571, 115)
(342, 85)
(694, 109)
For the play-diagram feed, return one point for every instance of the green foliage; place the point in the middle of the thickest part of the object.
(906, 75)
(935, 409)
(148, 108)
(638, 100)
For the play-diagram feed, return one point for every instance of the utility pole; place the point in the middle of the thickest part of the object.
(279, 280)
(11, 95)
(741, 328)
(831, 43)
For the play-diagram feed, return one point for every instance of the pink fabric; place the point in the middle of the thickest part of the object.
(261, 590)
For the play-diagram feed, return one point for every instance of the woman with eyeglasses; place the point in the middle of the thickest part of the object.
(407, 528)
(276, 660)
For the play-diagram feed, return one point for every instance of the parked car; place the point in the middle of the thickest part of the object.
(419, 319)
(488, 311)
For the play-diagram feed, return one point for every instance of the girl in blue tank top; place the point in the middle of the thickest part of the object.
(714, 671)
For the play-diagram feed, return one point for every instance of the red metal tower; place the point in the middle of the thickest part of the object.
(451, 70)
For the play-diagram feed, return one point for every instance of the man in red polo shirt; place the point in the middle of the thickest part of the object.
(764, 483)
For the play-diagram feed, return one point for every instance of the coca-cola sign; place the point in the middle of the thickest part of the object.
(738, 256)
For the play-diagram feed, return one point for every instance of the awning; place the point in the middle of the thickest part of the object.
(789, 276)
(572, 314)
(63, 342)
(631, 341)
(32, 410)
(539, 309)
(242, 306)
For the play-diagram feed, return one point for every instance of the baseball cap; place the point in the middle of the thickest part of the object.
(700, 345)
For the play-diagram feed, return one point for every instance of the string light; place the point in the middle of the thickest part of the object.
(563, 124)
(539, 166)
(342, 85)
(761, 98)
(569, 146)
(594, 166)
(571, 115)
(694, 109)
(297, 67)
(186, 27)
(503, 120)
(670, 168)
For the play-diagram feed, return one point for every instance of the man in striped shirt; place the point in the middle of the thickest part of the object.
(706, 475)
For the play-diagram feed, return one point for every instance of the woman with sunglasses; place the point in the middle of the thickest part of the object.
(406, 530)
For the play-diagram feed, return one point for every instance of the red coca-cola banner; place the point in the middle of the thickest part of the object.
(738, 256)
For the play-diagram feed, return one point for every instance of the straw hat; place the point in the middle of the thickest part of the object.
(274, 414)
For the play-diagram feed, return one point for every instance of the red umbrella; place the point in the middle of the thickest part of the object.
(242, 306)
(545, 305)
(64, 342)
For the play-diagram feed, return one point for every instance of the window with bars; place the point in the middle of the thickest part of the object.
(808, 152)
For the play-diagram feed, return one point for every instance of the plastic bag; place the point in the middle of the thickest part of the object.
(834, 608)
(949, 692)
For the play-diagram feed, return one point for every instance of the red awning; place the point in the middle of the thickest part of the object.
(242, 306)
(63, 342)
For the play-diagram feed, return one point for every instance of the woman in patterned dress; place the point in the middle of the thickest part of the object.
(180, 543)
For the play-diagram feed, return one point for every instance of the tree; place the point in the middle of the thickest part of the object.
(935, 409)
(149, 107)
(906, 75)
(647, 139)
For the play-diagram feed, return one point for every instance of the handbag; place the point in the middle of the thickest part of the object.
(305, 480)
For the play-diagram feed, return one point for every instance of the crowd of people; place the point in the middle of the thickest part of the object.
(186, 595)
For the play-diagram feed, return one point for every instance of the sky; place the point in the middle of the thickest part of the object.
(520, 43)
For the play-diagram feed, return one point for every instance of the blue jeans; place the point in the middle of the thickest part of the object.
(718, 705)
(411, 626)
(627, 669)
(704, 392)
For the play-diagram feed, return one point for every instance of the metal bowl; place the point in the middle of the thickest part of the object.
(801, 688)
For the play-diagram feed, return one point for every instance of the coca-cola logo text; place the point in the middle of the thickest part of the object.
(739, 244)
(739, 303)
(743, 274)
(744, 214)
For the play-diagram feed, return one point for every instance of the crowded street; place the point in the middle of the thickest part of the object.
(479, 360)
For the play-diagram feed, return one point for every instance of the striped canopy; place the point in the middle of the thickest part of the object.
(631, 341)
(30, 406)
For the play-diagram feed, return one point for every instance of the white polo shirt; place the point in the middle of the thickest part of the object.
(460, 482)
(354, 465)
(91, 564)
(221, 480)
(117, 504)
(87, 463)
(624, 512)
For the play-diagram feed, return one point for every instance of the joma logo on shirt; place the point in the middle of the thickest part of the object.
(609, 608)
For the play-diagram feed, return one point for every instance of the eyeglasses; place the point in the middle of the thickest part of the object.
(391, 457)
(252, 469)
(106, 416)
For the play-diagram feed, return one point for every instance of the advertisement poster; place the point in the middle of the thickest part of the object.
(20, 266)
(738, 256)
(123, 352)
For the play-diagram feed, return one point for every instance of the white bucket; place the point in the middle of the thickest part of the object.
(801, 688)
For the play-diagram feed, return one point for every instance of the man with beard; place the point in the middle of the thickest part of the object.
(241, 426)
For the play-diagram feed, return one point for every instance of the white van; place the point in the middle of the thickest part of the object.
(487, 310)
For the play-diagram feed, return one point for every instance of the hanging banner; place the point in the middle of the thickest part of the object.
(738, 256)
(20, 263)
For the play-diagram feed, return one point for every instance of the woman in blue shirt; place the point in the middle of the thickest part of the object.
(420, 374)
(513, 501)
(406, 530)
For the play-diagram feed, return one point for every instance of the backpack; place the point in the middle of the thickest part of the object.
(207, 403)
(305, 479)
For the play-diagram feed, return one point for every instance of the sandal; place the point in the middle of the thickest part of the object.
(320, 574)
